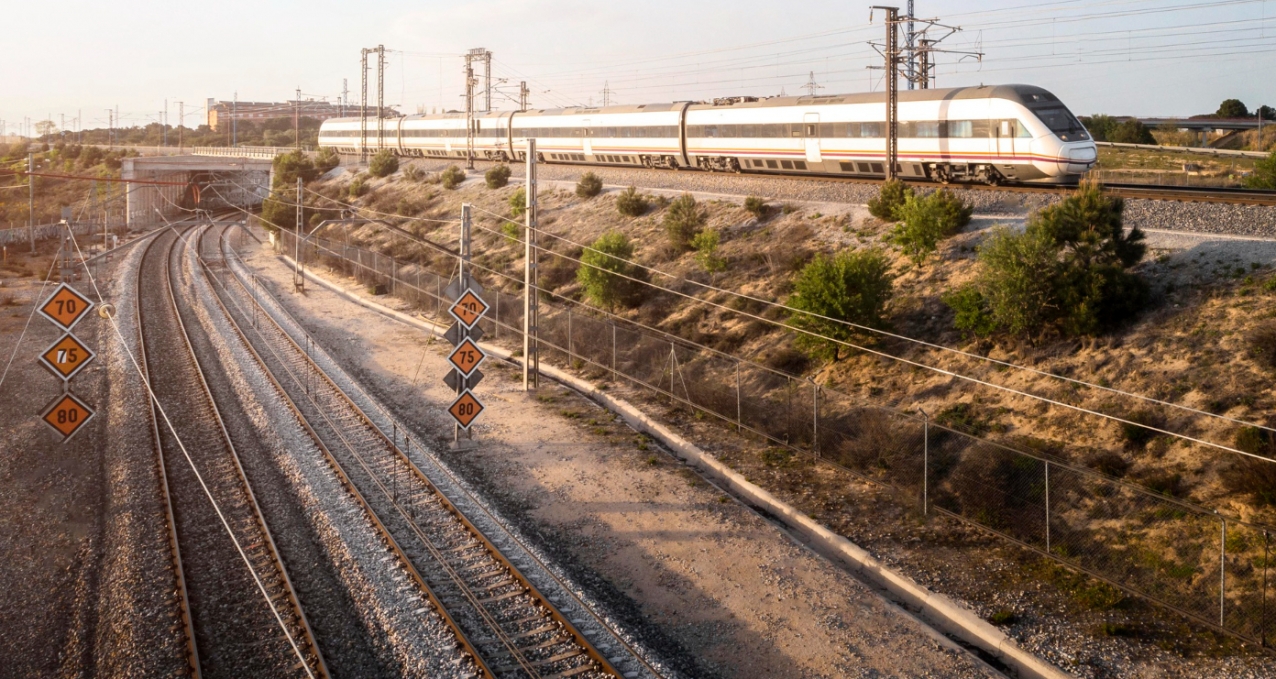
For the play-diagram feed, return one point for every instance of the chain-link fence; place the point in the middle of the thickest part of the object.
(1209, 567)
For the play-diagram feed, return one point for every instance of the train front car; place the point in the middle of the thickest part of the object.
(646, 135)
(1015, 133)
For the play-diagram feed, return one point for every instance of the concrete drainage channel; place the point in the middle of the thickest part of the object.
(952, 621)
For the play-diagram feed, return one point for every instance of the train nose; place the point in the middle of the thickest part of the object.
(1080, 158)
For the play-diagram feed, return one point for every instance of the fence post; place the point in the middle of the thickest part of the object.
(1266, 559)
(1047, 506)
(614, 374)
(815, 418)
(571, 351)
(438, 296)
(739, 407)
(925, 462)
(1222, 570)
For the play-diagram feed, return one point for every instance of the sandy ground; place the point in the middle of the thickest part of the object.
(711, 575)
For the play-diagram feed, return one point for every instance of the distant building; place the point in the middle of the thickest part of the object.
(222, 112)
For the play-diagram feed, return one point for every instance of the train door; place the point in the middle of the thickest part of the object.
(811, 131)
(587, 144)
(1004, 131)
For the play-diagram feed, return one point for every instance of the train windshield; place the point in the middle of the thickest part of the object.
(1063, 123)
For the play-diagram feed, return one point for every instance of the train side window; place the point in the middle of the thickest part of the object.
(812, 130)
(1021, 130)
(961, 129)
(980, 129)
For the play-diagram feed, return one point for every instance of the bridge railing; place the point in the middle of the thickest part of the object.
(259, 152)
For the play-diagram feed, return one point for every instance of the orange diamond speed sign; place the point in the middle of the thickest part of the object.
(469, 308)
(65, 307)
(465, 409)
(466, 357)
(66, 415)
(66, 357)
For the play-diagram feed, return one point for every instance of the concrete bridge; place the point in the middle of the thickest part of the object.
(185, 183)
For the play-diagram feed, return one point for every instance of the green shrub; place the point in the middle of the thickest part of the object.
(755, 206)
(513, 232)
(497, 177)
(683, 221)
(852, 286)
(414, 173)
(589, 185)
(605, 271)
(1264, 175)
(286, 166)
(706, 247)
(452, 177)
(357, 187)
(1067, 271)
(383, 164)
(890, 198)
(518, 202)
(1131, 132)
(326, 159)
(631, 203)
(926, 220)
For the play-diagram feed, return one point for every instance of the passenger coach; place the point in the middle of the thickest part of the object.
(1014, 133)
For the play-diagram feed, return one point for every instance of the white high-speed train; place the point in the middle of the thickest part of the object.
(1005, 133)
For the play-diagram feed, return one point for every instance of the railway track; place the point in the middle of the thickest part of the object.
(241, 615)
(1187, 194)
(499, 617)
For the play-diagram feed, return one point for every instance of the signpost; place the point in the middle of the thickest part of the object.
(65, 358)
(467, 308)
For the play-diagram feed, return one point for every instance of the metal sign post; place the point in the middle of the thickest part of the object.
(467, 308)
(65, 358)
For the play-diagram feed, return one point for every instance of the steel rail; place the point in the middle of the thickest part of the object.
(347, 483)
(490, 550)
(315, 659)
(175, 551)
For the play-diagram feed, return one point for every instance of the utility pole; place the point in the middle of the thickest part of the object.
(165, 123)
(923, 59)
(234, 120)
(606, 93)
(31, 199)
(531, 279)
(522, 96)
(811, 86)
(912, 54)
(891, 52)
(181, 123)
(380, 97)
(296, 120)
(469, 106)
(487, 81)
(110, 128)
(363, 109)
(345, 93)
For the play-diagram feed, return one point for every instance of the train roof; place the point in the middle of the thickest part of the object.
(1028, 95)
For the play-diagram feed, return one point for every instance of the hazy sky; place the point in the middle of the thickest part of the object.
(1143, 57)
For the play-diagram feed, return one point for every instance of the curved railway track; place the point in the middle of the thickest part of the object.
(499, 617)
(231, 629)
